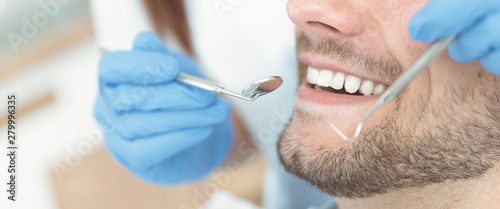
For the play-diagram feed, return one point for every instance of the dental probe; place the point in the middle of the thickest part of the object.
(251, 92)
(423, 61)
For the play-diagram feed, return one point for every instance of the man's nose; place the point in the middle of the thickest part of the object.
(337, 18)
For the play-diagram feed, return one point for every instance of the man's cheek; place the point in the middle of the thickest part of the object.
(301, 72)
(421, 86)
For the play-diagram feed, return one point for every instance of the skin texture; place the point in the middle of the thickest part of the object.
(437, 145)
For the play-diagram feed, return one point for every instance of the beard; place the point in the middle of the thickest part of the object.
(456, 137)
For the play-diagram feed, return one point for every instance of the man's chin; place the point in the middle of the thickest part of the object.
(300, 148)
(310, 149)
(318, 155)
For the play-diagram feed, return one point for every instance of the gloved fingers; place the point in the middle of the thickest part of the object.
(192, 163)
(116, 155)
(490, 62)
(143, 124)
(154, 174)
(443, 18)
(172, 96)
(196, 162)
(147, 174)
(142, 153)
(148, 41)
(478, 40)
(107, 118)
(176, 170)
(146, 123)
(143, 68)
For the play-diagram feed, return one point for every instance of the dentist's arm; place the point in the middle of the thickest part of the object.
(477, 23)
(162, 131)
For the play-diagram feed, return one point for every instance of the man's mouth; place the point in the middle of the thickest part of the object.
(335, 97)
(342, 83)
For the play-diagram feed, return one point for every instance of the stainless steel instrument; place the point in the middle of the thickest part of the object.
(251, 92)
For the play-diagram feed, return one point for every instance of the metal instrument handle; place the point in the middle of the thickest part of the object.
(200, 83)
(208, 85)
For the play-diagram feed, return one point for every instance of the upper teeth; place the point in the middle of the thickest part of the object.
(327, 78)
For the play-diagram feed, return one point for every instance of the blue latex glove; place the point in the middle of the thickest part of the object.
(160, 130)
(477, 22)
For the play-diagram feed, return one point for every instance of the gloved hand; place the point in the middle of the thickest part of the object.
(477, 22)
(162, 131)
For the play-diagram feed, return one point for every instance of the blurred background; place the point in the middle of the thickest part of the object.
(48, 58)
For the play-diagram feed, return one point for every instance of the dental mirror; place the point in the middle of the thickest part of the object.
(262, 86)
(251, 92)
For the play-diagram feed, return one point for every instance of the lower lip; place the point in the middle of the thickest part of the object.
(308, 93)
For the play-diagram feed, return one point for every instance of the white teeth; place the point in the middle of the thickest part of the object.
(338, 81)
(366, 88)
(352, 84)
(324, 78)
(379, 89)
(312, 75)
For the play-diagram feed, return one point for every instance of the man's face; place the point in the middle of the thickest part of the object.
(443, 126)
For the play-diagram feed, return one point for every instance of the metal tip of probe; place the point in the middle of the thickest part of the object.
(356, 134)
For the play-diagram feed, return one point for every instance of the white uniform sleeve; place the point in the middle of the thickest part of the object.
(225, 200)
(117, 22)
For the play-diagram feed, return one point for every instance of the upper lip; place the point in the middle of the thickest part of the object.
(322, 62)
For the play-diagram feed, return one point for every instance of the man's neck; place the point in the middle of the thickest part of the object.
(482, 192)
